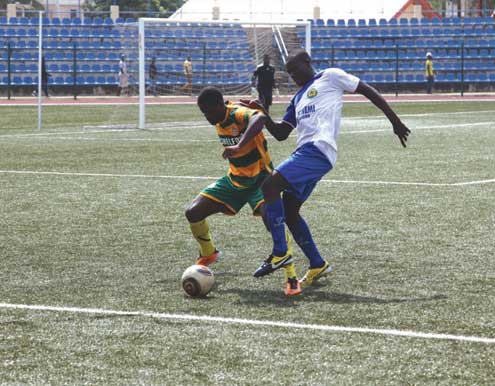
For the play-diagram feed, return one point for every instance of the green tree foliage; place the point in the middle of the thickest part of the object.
(34, 3)
(139, 6)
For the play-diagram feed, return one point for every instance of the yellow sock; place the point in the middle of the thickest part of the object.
(201, 232)
(290, 271)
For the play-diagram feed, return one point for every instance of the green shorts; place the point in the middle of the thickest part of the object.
(233, 197)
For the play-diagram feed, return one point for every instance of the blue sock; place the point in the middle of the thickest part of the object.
(275, 216)
(303, 238)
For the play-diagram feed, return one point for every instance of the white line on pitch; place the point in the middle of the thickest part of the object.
(107, 175)
(60, 136)
(332, 181)
(252, 322)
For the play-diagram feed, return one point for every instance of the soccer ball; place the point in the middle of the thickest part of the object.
(197, 280)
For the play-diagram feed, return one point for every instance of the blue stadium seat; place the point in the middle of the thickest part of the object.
(58, 81)
(3, 20)
(56, 21)
(64, 67)
(108, 21)
(28, 81)
(100, 80)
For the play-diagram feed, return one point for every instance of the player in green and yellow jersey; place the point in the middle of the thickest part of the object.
(242, 184)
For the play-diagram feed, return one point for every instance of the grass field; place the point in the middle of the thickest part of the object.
(93, 220)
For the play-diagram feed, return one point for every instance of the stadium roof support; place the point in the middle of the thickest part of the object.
(287, 10)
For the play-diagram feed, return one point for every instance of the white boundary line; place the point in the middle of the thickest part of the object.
(331, 181)
(60, 135)
(252, 322)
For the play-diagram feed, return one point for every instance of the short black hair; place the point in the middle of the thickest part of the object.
(299, 54)
(210, 96)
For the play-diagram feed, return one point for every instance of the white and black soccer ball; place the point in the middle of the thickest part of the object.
(197, 280)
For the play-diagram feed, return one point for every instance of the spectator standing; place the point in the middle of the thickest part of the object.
(153, 72)
(188, 71)
(265, 74)
(430, 75)
(123, 77)
(44, 77)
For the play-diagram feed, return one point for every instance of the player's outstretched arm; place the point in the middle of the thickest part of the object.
(254, 127)
(401, 130)
(280, 131)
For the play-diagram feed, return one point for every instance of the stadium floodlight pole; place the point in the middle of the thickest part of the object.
(40, 62)
(142, 46)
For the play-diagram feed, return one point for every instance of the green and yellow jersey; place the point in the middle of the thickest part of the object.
(429, 67)
(253, 163)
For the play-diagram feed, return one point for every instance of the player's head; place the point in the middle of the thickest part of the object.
(266, 59)
(212, 105)
(122, 57)
(299, 67)
(189, 58)
(429, 55)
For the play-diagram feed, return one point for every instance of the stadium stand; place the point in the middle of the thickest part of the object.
(372, 49)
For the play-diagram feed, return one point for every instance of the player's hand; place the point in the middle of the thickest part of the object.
(401, 131)
(230, 151)
(254, 104)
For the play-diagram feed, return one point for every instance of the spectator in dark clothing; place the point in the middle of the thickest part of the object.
(153, 73)
(266, 82)
(44, 76)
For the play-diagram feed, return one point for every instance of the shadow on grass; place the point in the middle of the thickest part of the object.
(315, 294)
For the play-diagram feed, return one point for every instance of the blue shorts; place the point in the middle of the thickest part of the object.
(303, 169)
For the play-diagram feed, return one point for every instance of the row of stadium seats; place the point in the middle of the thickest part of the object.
(403, 22)
(417, 65)
(87, 21)
(107, 68)
(483, 53)
(400, 32)
(112, 80)
(409, 43)
(121, 32)
(112, 56)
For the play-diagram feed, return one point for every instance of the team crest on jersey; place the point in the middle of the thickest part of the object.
(312, 93)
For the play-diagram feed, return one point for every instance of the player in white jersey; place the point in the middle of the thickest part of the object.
(315, 112)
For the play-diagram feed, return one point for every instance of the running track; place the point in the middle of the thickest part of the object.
(61, 101)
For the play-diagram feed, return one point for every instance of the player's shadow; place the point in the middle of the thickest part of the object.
(315, 294)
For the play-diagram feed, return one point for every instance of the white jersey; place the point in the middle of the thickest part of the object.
(316, 109)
